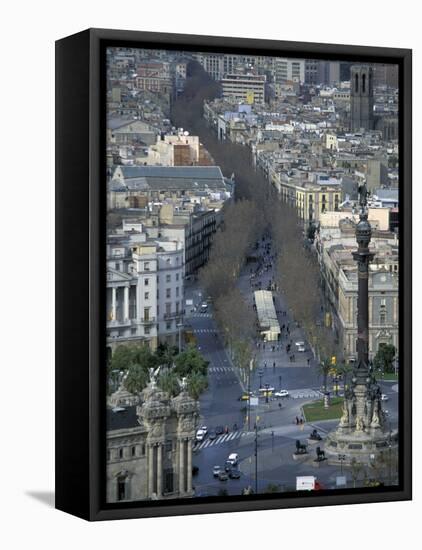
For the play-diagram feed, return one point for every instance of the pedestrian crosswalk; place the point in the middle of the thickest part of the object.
(220, 370)
(203, 330)
(207, 315)
(305, 393)
(225, 438)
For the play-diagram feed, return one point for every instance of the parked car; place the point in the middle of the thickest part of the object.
(212, 435)
(204, 429)
(233, 459)
(216, 470)
(384, 397)
(200, 435)
(203, 308)
(234, 473)
(222, 476)
(219, 430)
(281, 393)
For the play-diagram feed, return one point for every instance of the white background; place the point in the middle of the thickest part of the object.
(28, 32)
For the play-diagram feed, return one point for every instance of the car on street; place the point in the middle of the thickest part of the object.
(384, 397)
(205, 429)
(222, 476)
(219, 430)
(200, 435)
(216, 470)
(203, 308)
(228, 466)
(245, 396)
(300, 346)
(212, 435)
(281, 393)
(234, 473)
(233, 459)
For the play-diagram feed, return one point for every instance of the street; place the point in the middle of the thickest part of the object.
(277, 430)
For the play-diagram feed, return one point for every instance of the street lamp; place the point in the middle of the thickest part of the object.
(266, 392)
(256, 455)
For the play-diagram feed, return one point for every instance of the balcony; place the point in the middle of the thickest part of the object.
(173, 315)
(147, 320)
(119, 323)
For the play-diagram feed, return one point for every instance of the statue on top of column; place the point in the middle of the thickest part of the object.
(363, 195)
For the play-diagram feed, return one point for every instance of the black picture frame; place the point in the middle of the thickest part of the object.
(80, 272)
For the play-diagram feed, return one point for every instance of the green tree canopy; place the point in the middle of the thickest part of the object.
(384, 358)
(190, 361)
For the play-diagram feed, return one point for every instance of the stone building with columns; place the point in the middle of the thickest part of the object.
(149, 445)
(145, 288)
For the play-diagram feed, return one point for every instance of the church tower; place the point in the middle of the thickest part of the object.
(361, 98)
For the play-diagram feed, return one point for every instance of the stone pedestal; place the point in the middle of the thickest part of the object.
(344, 445)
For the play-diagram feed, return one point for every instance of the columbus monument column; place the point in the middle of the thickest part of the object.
(362, 434)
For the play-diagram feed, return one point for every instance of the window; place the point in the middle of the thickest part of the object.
(146, 266)
(120, 453)
(168, 292)
(177, 276)
(356, 83)
(121, 488)
(168, 325)
(146, 295)
(133, 451)
(146, 282)
(168, 278)
(363, 83)
(147, 330)
(117, 266)
(177, 291)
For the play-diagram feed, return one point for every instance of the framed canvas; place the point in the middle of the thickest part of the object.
(233, 274)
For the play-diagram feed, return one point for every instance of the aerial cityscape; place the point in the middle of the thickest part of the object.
(252, 324)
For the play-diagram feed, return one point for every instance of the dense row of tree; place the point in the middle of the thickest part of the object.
(257, 209)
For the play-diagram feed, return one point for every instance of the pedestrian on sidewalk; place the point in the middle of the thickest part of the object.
(297, 420)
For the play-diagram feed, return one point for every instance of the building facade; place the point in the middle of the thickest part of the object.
(249, 88)
(149, 445)
(145, 289)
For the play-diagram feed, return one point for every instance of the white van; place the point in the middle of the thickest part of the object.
(233, 459)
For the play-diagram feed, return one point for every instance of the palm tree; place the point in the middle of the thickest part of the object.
(169, 383)
(197, 383)
(323, 370)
